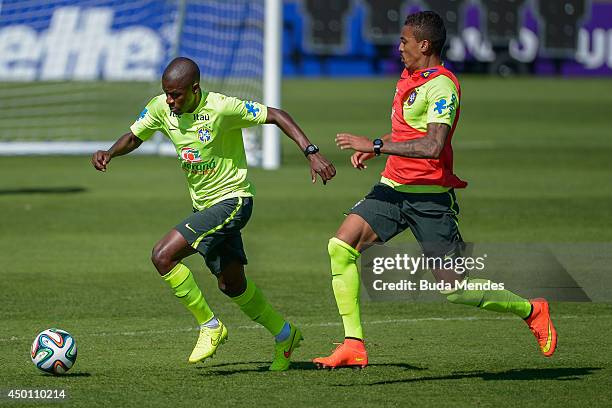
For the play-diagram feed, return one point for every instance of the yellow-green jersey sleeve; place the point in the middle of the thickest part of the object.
(239, 114)
(443, 100)
(148, 122)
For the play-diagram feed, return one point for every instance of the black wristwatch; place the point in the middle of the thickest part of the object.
(378, 143)
(311, 149)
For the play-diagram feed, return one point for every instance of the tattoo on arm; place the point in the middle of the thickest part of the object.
(428, 147)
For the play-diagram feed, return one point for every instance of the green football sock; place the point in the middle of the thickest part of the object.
(253, 303)
(502, 301)
(345, 282)
(186, 290)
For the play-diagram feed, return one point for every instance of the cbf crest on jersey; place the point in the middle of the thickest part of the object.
(412, 97)
(204, 135)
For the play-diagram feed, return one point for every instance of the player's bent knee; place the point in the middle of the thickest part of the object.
(231, 288)
(162, 259)
(331, 247)
(339, 250)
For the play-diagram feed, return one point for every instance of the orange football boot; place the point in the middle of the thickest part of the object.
(351, 353)
(542, 327)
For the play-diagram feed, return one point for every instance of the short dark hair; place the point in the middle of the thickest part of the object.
(428, 25)
(183, 69)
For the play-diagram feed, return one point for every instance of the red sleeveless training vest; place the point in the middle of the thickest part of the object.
(406, 170)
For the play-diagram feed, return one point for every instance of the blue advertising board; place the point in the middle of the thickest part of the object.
(118, 40)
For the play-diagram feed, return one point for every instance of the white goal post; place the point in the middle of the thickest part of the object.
(74, 75)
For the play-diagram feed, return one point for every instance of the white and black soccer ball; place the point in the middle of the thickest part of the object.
(54, 351)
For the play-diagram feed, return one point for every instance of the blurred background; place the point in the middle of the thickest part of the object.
(80, 70)
(499, 37)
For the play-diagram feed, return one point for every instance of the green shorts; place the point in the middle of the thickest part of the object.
(432, 218)
(215, 232)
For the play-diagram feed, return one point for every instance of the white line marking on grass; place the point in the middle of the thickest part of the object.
(322, 324)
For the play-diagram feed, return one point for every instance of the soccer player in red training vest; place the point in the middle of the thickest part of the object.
(416, 191)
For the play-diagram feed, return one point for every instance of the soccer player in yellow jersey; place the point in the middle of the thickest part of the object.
(205, 128)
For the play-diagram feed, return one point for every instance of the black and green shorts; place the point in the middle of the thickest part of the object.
(432, 218)
(215, 232)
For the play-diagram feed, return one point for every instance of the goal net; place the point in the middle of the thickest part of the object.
(75, 74)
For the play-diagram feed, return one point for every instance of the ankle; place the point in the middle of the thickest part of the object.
(213, 323)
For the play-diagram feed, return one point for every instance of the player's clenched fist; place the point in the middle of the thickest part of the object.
(100, 159)
(321, 166)
(358, 159)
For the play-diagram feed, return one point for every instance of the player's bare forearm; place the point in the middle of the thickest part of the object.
(428, 147)
(318, 163)
(124, 145)
(286, 123)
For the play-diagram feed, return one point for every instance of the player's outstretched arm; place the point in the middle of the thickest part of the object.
(318, 163)
(123, 145)
(427, 147)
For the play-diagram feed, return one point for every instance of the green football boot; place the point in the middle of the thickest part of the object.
(284, 349)
(208, 342)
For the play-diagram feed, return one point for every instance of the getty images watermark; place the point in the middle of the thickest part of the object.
(413, 265)
(564, 272)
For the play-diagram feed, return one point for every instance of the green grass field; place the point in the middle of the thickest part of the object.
(75, 247)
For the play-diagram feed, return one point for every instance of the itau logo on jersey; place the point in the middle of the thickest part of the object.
(191, 155)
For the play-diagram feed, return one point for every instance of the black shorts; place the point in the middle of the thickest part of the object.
(432, 218)
(215, 232)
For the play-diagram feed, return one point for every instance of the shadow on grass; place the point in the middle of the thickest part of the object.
(43, 190)
(262, 367)
(521, 374)
(76, 374)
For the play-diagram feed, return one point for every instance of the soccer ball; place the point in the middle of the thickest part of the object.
(54, 351)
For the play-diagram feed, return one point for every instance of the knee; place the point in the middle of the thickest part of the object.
(331, 247)
(231, 288)
(161, 258)
(334, 247)
(340, 250)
